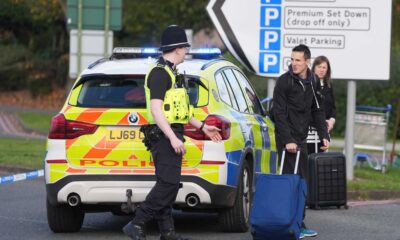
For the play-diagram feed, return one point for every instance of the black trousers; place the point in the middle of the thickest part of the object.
(290, 161)
(158, 203)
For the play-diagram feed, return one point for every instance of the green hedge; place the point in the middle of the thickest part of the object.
(12, 62)
(38, 72)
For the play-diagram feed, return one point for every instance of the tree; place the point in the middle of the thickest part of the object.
(34, 38)
(396, 24)
(15, 20)
(143, 21)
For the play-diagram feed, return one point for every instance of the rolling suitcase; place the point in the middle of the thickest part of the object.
(327, 184)
(278, 205)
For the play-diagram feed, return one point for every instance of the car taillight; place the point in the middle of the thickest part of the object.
(212, 120)
(65, 129)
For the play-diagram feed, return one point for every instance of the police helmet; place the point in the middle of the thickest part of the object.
(173, 37)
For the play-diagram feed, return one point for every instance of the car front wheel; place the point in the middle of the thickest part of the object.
(236, 218)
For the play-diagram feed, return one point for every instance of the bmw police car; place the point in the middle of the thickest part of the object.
(96, 160)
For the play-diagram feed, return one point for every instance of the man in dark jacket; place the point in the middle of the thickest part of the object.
(295, 106)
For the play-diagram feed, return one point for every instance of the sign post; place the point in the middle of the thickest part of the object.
(351, 33)
(349, 135)
(91, 19)
(87, 47)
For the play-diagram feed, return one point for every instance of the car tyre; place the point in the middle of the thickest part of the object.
(63, 218)
(236, 218)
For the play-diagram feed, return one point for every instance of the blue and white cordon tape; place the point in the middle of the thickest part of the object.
(22, 176)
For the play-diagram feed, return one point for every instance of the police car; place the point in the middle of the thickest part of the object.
(96, 160)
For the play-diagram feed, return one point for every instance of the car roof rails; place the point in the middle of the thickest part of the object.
(101, 60)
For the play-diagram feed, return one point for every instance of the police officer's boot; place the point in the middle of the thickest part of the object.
(171, 235)
(134, 231)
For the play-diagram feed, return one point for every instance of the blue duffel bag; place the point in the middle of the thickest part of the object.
(278, 205)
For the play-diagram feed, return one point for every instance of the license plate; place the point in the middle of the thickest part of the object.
(125, 135)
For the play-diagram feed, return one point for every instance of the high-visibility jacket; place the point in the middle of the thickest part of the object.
(176, 104)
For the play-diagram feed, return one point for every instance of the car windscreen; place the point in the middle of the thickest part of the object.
(121, 92)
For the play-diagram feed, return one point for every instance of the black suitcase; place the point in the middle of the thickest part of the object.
(327, 184)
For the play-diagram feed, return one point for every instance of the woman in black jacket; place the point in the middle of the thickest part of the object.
(322, 69)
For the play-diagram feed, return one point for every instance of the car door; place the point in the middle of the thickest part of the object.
(262, 128)
(242, 107)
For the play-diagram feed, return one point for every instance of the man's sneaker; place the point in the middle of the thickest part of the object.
(308, 232)
(135, 232)
(301, 235)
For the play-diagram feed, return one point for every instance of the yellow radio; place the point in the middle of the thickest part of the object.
(176, 107)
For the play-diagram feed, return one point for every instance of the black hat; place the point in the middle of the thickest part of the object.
(173, 37)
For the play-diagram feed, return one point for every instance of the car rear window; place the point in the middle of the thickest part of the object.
(120, 92)
(113, 92)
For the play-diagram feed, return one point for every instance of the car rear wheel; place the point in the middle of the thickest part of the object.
(236, 218)
(63, 218)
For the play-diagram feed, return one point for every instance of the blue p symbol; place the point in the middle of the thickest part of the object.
(270, 39)
(270, 17)
(271, 1)
(269, 62)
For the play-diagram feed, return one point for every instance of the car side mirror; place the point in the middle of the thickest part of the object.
(267, 104)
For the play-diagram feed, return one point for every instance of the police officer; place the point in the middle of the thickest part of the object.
(167, 150)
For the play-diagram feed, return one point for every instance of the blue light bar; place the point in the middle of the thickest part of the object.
(205, 51)
(150, 50)
(136, 52)
(127, 50)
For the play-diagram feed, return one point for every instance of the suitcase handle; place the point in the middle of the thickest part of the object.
(283, 160)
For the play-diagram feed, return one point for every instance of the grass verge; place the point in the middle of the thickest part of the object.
(22, 152)
(36, 121)
(366, 178)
